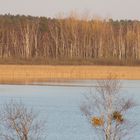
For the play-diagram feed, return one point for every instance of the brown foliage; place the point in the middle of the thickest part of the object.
(117, 116)
(96, 121)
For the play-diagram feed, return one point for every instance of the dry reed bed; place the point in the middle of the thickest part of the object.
(38, 73)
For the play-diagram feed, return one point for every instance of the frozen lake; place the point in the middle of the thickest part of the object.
(59, 106)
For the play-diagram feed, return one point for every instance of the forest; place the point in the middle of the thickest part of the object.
(68, 41)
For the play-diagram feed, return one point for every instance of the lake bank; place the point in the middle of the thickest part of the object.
(43, 73)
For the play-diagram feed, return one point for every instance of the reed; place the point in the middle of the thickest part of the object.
(41, 73)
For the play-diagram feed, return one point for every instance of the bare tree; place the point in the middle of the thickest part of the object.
(20, 123)
(107, 110)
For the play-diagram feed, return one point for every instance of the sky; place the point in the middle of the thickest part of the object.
(116, 9)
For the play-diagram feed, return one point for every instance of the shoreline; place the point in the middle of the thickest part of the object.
(44, 73)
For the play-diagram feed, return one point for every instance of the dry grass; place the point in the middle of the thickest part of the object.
(38, 73)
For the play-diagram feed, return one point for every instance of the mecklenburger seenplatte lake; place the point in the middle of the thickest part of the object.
(60, 106)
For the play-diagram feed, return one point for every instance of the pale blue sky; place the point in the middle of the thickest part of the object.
(118, 9)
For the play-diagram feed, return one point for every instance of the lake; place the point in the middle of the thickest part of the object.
(60, 104)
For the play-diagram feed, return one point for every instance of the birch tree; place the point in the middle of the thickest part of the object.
(20, 123)
(107, 110)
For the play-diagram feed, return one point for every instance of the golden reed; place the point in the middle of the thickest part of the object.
(41, 73)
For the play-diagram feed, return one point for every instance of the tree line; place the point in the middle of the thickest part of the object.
(69, 40)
